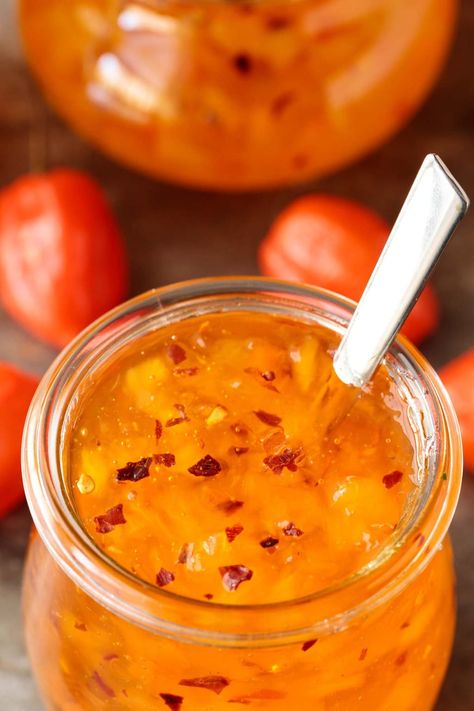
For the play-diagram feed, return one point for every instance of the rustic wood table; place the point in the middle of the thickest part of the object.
(174, 234)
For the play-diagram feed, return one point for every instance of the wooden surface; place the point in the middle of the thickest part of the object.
(175, 234)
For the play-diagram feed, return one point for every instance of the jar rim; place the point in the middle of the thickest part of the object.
(175, 615)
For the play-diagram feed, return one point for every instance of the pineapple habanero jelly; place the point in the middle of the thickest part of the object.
(237, 95)
(252, 546)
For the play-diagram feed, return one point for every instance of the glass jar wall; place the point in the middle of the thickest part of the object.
(236, 95)
(87, 658)
(380, 640)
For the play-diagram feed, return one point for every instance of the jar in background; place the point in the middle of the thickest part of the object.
(237, 95)
(100, 638)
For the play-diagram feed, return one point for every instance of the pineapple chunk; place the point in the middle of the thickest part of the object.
(218, 414)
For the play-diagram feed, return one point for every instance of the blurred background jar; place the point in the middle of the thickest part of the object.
(235, 95)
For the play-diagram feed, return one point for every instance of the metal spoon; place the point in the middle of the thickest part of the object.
(432, 210)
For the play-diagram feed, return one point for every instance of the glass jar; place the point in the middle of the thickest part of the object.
(99, 638)
(237, 95)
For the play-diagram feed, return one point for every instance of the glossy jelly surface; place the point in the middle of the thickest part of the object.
(217, 451)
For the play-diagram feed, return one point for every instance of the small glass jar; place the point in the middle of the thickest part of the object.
(237, 95)
(99, 638)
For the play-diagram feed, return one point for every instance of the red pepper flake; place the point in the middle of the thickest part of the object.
(281, 103)
(278, 23)
(287, 458)
(269, 542)
(230, 506)
(243, 63)
(267, 418)
(178, 420)
(110, 657)
(239, 429)
(172, 701)
(158, 429)
(207, 466)
(112, 517)
(363, 654)
(185, 371)
(233, 575)
(239, 450)
(134, 471)
(105, 688)
(268, 375)
(233, 531)
(291, 530)
(165, 458)
(209, 596)
(80, 626)
(308, 644)
(420, 538)
(393, 478)
(217, 684)
(184, 553)
(164, 577)
(401, 659)
(405, 625)
(176, 353)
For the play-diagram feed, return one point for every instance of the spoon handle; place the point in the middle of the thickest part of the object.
(434, 206)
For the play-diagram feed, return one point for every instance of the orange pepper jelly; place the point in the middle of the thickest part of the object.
(237, 95)
(212, 459)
